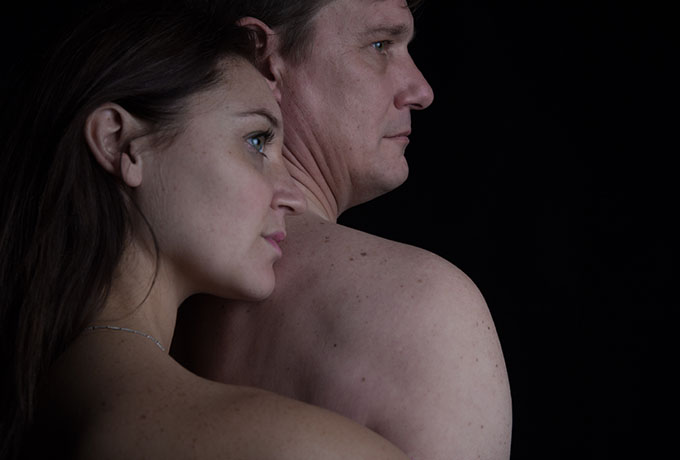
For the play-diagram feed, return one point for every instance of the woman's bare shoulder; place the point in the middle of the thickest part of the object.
(265, 425)
(191, 417)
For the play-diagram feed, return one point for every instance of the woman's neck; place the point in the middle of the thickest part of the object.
(142, 298)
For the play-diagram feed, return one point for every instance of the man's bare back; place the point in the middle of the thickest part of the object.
(387, 334)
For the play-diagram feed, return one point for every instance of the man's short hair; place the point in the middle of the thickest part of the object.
(292, 20)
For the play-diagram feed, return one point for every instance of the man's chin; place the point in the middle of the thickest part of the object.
(382, 183)
(397, 175)
(388, 179)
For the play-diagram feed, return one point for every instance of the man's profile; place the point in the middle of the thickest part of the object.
(387, 334)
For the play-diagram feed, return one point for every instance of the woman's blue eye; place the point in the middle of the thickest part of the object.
(257, 142)
(260, 140)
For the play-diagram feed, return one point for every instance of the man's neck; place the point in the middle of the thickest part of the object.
(321, 199)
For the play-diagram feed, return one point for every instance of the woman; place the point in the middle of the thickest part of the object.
(146, 167)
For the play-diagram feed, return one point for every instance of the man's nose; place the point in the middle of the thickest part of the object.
(287, 195)
(415, 92)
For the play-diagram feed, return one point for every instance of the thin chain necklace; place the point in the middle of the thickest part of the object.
(126, 329)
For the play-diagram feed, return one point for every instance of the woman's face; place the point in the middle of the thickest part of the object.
(216, 196)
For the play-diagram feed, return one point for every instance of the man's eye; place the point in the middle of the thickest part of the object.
(380, 45)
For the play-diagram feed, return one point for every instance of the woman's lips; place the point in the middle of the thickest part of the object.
(274, 239)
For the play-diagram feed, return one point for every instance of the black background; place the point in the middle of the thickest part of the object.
(544, 171)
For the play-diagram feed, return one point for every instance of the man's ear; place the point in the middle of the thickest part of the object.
(269, 61)
(110, 131)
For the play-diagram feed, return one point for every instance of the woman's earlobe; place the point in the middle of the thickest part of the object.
(109, 132)
(131, 170)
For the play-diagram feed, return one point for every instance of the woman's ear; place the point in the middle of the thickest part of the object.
(269, 61)
(109, 132)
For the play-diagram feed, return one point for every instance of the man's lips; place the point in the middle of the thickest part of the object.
(400, 136)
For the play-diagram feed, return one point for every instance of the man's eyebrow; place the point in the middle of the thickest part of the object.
(262, 113)
(402, 30)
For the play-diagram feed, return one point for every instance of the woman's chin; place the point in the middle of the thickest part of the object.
(257, 290)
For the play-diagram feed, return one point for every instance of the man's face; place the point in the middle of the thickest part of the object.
(349, 101)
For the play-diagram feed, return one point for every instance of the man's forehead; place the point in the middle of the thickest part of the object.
(403, 3)
(395, 30)
(390, 17)
(384, 6)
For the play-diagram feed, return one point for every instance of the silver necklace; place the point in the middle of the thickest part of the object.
(126, 329)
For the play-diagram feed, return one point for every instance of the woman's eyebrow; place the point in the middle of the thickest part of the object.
(262, 113)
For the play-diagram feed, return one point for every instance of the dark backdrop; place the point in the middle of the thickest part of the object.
(543, 170)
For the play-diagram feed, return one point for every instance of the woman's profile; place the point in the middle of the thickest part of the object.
(146, 166)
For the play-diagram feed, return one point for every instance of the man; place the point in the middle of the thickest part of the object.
(389, 335)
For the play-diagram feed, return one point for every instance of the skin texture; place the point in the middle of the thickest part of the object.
(347, 106)
(209, 198)
(421, 366)
(392, 336)
(115, 394)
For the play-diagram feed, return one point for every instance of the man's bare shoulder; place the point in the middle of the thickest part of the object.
(343, 256)
(390, 335)
(425, 336)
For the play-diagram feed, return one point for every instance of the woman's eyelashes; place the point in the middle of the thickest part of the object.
(260, 140)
